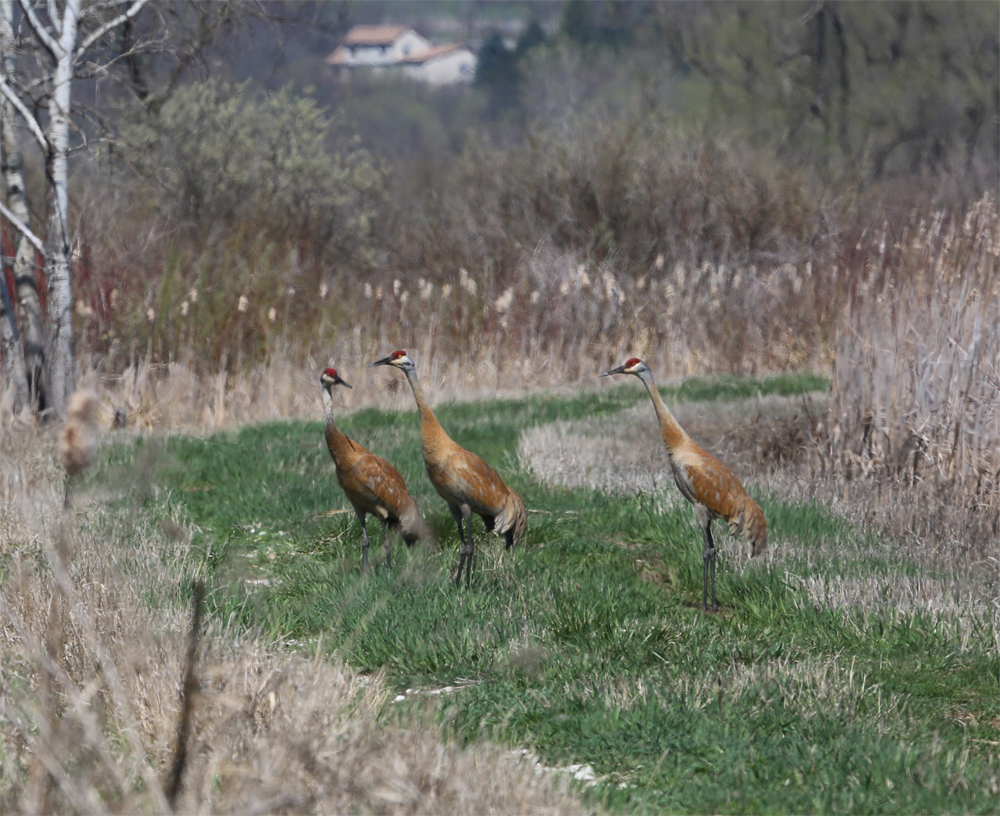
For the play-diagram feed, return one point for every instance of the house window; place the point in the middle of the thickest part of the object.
(384, 48)
(406, 49)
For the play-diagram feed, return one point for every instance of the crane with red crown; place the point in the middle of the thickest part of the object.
(371, 484)
(710, 486)
(466, 483)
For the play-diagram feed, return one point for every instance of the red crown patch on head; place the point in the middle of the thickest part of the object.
(633, 362)
(397, 354)
(331, 372)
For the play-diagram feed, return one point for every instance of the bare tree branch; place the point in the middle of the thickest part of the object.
(26, 114)
(90, 69)
(23, 228)
(54, 16)
(39, 30)
(131, 12)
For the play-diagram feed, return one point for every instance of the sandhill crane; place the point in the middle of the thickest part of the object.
(466, 483)
(704, 481)
(372, 485)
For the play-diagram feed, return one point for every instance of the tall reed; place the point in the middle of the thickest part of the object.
(916, 393)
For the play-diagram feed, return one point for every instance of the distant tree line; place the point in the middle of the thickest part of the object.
(863, 88)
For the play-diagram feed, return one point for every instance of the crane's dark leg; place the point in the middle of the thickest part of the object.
(704, 575)
(472, 550)
(708, 559)
(465, 551)
(388, 545)
(708, 567)
(713, 553)
(364, 545)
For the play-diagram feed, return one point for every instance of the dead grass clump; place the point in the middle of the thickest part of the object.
(884, 592)
(92, 659)
(916, 394)
(808, 687)
(754, 438)
(306, 739)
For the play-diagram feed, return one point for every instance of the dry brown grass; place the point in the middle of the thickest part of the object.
(562, 320)
(758, 439)
(916, 397)
(526, 268)
(92, 632)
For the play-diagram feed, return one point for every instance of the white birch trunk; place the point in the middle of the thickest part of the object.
(14, 378)
(23, 346)
(59, 345)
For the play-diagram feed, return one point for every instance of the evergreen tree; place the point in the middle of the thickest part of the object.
(532, 35)
(577, 22)
(497, 73)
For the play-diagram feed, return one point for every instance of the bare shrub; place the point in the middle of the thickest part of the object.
(622, 233)
(568, 250)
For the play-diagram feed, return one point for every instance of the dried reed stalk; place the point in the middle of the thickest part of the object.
(916, 394)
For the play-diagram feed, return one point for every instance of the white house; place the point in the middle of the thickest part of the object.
(382, 47)
(377, 45)
(441, 65)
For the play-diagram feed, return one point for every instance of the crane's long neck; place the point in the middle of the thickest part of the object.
(430, 428)
(336, 440)
(673, 434)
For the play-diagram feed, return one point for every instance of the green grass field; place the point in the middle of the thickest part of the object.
(587, 643)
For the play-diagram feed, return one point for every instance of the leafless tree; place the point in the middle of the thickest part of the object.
(45, 46)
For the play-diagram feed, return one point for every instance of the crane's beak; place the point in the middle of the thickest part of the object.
(383, 361)
(618, 370)
(328, 381)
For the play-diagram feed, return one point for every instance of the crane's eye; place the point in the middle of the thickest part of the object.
(397, 354)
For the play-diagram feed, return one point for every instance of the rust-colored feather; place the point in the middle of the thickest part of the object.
(374, 486)
(462, 478)
(715, 486)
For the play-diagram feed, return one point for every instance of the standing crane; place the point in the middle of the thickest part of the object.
(704, 481)
(372, 485)
(466, 483)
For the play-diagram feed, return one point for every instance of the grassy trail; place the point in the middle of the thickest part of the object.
(587, 642)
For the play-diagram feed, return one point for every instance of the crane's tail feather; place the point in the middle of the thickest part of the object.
(513, 518)
(412, 527)
(751, 524)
